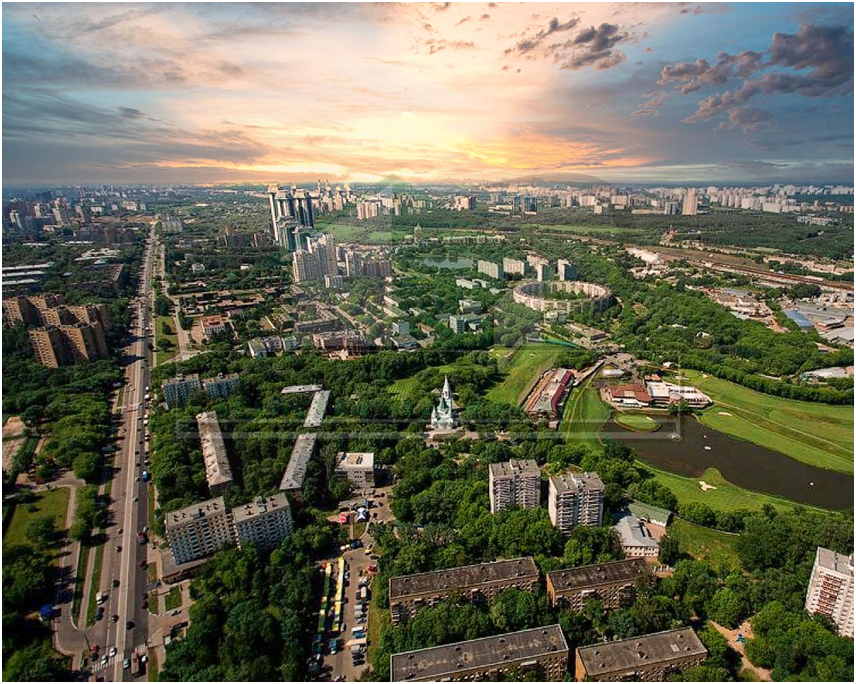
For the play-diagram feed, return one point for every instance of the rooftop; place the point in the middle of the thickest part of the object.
(301, 389)
(645, 511)
(441, 662)
(602, 659)
(260, 506)
(295, 471)
(196, 511)
(461, 577)
(836, 562)
(317, 409)
(574, 482)
(217, 468)
(510, 468)
(600, 573)
(357, 460)
(634, 533)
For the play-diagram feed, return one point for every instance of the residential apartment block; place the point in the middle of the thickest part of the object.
(221, 386)
(295, 471)
(490, 269)
(515, 266)
(177, 391)
(575, 499)
(409, 593)
(264, 522)
(613, 584)
(198, 530)
(649, 658)
(217, 469)
(830, 590)
(514, 483)
(542, 651)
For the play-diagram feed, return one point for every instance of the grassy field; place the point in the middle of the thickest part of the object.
(637, 422)
(584, 415)
(582, 230)
(349, 232)
(726, 496)
(49, 504)
(165, 331)
(527, 364)
(717, 548)
(172, 600)
(818, 434)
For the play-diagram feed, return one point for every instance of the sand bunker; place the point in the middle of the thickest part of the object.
(705, 486)
(723, 413)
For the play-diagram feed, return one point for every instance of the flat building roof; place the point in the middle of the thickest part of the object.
(442, 662)
(601, 660)
(461, 577)
(295, 471)
(597, 574)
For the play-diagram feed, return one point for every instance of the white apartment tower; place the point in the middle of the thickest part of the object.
(264, 522)
(830, 590)
(575, 499)
(198, 530)
(514, 483)
(690, 206)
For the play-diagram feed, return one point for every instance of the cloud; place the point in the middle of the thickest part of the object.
(435, 46)
(595, 47)
(817, 61)
(464, 20)
(529, 44)
(748, 119)
(131, 113)
(690, 76)
(651, 106)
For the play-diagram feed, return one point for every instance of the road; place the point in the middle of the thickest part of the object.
(122, 578)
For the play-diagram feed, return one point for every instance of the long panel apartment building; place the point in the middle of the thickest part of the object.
(542, 651)
(649, 658)
(830, 590)
(218, 472)
(514, 483)
(409, 593)
(575, 499)
(613, 584)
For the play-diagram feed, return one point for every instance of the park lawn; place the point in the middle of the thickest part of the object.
(817, 434)
(172, 600)
(584, 416)
(48, 504)
(524, 369)
(703, 543)
(161, 335)
(726, 496)
(637, 421)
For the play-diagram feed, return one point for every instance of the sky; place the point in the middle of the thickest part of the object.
(427, 92)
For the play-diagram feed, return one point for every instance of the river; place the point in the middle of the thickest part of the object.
(458, 263)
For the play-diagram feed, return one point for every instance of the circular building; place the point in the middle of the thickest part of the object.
(564, 296)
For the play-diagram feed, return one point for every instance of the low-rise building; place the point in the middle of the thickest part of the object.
(665, 393)
(514, 483)
(575, 499)
(650, 514)
(549, 394)
(830, 590)
(633, 395)
(317, 409)
(470, 306)
(295, 471)
(213, 325)
(542, 651)
(358, 467)
(260, 347)
(636, 540)
(265, 522)
(613, 584)
(409, 593)
(649, 658)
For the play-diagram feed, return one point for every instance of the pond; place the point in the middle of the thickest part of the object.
(448, 262)
(686, 447)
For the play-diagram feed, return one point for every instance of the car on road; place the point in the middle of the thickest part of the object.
(115, 583)
(126, 664)
(114, 618)
(104, 659)
(99, 613)
(113, 651)
(129, 624)
(118, 549)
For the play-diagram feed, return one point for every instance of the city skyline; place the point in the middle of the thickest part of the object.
(430, 92)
